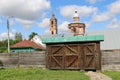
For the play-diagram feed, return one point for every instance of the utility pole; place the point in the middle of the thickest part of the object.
(8, 33)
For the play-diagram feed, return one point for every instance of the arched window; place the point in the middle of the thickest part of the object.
(52, 32)
(52, 22)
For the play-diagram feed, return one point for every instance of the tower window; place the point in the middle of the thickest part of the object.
(52, 32)
(52, 22)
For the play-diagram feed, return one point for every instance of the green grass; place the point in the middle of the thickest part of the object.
(39, 74)
(115, 75)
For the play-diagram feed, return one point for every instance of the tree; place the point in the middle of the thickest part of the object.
(3, 43)
(18, 37)
(32, 35)
(3, 46)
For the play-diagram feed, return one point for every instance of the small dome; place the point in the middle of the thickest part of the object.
(76, 14)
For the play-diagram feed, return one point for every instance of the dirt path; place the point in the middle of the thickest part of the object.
(97, 76)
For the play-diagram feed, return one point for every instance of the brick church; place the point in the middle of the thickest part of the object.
(76, 27)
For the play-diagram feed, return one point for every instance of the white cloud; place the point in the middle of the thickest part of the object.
(25, 23)
(114, 8)
(92, 1)
(14, 31)
(88, 24)
(63, 27)
(44, 23)
(26, 10)
(114, 24)
(102, 17)
(47, 32)
(68, 11)
(4, 35)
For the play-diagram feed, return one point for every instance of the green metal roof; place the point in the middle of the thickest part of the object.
(73, 39)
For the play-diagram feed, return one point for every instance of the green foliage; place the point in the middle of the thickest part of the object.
(3, 49)
(39, 74)
(3, 46)
(32, 35)
(4, 43)
(18, 37)
(115, 75)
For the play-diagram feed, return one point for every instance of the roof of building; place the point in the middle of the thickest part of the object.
(27, 43)
(111, 38)
(73, 39)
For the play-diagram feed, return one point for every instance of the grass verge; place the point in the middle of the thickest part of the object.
(39, 74)
(115, 75)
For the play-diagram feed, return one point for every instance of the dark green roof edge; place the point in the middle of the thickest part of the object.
(73, 39)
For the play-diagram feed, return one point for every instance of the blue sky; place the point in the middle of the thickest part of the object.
(33, 15)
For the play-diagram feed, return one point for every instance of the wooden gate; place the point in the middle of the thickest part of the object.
(89, 56)
(71, 56)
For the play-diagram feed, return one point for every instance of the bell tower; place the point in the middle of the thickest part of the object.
(53, 25)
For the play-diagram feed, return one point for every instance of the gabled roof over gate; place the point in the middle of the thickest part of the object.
(73, 39)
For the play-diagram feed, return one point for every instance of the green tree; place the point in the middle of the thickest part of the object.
(3, 46)
(32, 35)
(4, 43)
(18, 37)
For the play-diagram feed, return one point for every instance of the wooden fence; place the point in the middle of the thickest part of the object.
(110, 60)
(23, 59)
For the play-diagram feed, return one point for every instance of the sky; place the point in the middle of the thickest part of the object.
(34, 15)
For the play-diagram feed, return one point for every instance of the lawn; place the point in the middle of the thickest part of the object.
(115, 75)
(39, 74)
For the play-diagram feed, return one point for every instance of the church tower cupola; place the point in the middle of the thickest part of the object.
(76, 16)
(53, 25)
(76, 27)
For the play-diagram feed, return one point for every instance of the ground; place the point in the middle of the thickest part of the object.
(39, 74)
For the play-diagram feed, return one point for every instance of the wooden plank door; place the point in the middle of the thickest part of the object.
(89, 56)
(72, 57)
(63, 57)
(54, 57)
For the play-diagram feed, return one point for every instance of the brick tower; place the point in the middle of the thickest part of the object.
(76, 27)
(53, 25)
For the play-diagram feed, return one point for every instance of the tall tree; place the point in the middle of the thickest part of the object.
(18, 37)
(32, 35)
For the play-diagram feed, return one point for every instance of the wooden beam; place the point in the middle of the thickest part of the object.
(72, 61)
(73, 50)
(56, 61)
(57, 50)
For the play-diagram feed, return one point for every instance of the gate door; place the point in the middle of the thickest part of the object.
(54, 57)
(72, 57)
(63, 57)
(89, 56)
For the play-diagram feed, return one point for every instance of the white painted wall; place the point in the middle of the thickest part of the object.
(38, 40)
